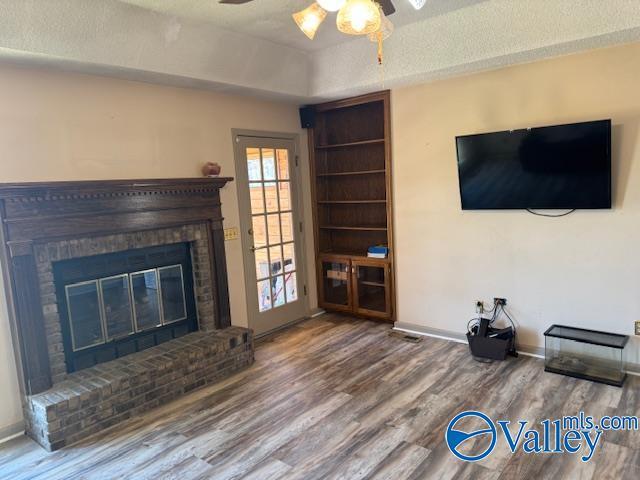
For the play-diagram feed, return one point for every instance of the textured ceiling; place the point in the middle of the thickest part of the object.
(256, 48)
(486, 35)
(271, 19)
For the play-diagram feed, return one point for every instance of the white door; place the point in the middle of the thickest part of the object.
(271, 230)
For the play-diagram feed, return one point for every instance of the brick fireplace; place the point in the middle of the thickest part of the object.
(118, 299)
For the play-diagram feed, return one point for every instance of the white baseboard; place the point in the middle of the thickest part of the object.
(12, 431)
(526, 350)
(312, 314)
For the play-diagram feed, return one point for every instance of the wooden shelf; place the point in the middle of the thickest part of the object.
(353, 206)
(336, 227)
(351, 144)
(351, 201)
(353, 255)
(340, 174)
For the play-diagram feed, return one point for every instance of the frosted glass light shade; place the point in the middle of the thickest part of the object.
(385, 30)
(309, 19)
(358, 17)
(417, 4)
(331, 5)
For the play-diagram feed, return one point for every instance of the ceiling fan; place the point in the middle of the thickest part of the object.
(387, 5)
(355, 17)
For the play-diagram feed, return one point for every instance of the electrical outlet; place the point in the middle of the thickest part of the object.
(499, 301)
(479, 306)
(231, 234)
(637, 327)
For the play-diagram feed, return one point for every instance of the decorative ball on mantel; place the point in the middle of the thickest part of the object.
(211, 169)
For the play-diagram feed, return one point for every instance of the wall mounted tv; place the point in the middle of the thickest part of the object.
(558, 167)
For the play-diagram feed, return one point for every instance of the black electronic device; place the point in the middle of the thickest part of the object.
(307, 117)
(556, 167)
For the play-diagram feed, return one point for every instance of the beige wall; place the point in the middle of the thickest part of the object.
(56, 126)
(583, 269)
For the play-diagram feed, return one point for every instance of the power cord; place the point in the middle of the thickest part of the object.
(514, 352)
(497, 309)
(477, 319)
(550, 216)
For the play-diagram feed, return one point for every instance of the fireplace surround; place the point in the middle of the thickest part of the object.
(141, 264)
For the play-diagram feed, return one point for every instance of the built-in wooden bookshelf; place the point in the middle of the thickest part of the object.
(350, 150)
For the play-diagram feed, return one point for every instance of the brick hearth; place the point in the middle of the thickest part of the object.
(97, 398)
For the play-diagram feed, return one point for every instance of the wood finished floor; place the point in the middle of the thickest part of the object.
(338, 398)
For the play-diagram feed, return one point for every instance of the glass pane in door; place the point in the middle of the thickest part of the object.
(254, 167)
(264, 295)
(371, 288)
(335, 276)
(272, 226)
(262, 263)
(277, 284)
(289, 257)
(291, 288)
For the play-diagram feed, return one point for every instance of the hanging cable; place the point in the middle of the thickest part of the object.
(549, 215)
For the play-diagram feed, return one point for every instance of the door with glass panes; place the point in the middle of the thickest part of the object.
(271, 226)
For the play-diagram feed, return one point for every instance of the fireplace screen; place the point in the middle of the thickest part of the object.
(113, 315)
(100, 310)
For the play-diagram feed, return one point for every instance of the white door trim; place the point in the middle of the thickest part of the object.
(243, 207)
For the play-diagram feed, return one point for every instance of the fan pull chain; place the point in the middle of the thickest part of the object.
(381, 59)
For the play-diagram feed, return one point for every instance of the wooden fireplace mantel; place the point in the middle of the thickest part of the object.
(39, 213)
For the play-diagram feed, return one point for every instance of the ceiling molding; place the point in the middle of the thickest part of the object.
(115, 38)
(112, 38)
(484, 36)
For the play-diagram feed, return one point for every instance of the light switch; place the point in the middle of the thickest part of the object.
(231, 234)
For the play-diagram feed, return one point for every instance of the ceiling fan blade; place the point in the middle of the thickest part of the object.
(387, 7)
(234, 2)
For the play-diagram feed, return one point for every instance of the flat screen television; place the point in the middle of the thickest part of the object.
(558, 167)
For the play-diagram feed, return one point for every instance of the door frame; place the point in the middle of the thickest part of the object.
(244, 208)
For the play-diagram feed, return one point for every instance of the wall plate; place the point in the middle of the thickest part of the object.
(231, 234)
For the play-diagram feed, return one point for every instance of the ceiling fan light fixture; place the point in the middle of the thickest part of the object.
(309, 19)
(331, 5)
(358, 17)
(417, 4)
(385, 30)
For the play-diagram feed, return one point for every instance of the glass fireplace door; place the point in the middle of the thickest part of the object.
(83, 303)
(117, 314)
(116, 300)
